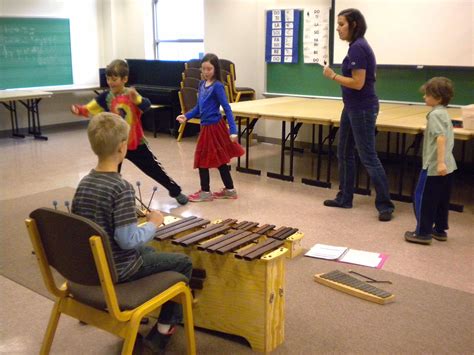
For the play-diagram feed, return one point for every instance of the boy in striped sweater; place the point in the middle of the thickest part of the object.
(104, 197)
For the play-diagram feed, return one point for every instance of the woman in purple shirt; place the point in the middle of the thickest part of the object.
(361, 107)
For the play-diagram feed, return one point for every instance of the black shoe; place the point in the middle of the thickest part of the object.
(335, 203)
(441, 236)
(182, 199)
(156, 341)
(415, 238)
(385, 216)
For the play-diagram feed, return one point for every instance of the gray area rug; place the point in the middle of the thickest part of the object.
(425, 318)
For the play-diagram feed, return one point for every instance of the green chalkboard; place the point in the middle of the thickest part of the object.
(34, 52)
(393, 83)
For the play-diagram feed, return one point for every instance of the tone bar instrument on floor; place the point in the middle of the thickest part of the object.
(355, 287)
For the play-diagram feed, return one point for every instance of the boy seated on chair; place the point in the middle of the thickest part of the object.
(104, 197)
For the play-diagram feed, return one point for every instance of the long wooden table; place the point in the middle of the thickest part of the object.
(30, 99)
(401, 119)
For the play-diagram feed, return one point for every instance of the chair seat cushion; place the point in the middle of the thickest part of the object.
(244, 89)
(129, 294)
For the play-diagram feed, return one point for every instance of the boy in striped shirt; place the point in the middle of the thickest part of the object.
(104, 197)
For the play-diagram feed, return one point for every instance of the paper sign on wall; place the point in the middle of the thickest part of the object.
(281, 45)
(316, 35)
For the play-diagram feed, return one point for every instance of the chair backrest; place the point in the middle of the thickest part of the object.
(226, 80)
(65, 240)
(190, 83)
(192, 72)
(193, 63)
(188, 98)
(228, 66)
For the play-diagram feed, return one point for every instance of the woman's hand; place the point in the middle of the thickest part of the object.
(328, 72)
(233, 137)
(181, 118)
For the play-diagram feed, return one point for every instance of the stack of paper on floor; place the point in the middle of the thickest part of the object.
(346, 255)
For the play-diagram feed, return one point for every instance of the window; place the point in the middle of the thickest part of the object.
(179, 29)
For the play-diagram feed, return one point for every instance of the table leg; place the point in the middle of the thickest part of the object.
(318, 181)
(400, 196)
(282, 175)
(34, 126)
(248, 130)
(11, 106)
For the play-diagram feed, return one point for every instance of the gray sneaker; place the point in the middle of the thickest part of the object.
(182, 199)
(225, 193)
(201, 196)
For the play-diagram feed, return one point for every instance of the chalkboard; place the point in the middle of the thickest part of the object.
(34, 52)
(393, 83)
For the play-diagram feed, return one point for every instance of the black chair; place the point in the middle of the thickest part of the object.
(192, 73)
(193, 63)
(236, 93)
(190, 82)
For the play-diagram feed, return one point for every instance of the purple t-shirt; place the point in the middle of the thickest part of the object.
(360, 56)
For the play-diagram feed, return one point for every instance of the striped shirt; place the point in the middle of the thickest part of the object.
(109, 200)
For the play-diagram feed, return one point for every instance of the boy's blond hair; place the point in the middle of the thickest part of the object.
(106, 132)
(440, 88)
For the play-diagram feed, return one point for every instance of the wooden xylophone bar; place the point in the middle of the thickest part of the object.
(282, 233)
(258, 250)
(196, 237)
(180, 226)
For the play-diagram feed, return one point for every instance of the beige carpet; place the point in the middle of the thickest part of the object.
(425, 318)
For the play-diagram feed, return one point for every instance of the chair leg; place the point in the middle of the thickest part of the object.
(181, 131)
(129, 343)
(51, 330)
(188, 322)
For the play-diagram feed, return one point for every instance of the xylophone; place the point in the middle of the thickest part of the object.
(244, 264)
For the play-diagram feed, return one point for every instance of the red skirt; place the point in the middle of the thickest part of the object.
(214, 147)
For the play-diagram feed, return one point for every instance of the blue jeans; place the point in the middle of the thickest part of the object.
(357, 129)
(154, 262)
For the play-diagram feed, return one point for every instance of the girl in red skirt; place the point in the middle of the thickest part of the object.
(215, 146)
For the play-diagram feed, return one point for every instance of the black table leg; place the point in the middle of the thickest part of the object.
(34, 125)
(11, 106)
(317, 181)
(282, 175)
(248, 130)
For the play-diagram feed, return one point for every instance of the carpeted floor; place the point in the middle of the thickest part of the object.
(425, 318)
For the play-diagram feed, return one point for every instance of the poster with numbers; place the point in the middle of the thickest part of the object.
(281, 45)
(316, 35)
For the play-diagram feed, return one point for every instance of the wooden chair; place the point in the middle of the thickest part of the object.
(190, 82)
(193, 63)
(237, 93)
(80, 251)
(187, 100)
(225, 78)
(192, 73)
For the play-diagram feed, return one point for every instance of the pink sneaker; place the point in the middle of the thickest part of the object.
(225, 193)
(201, 196)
